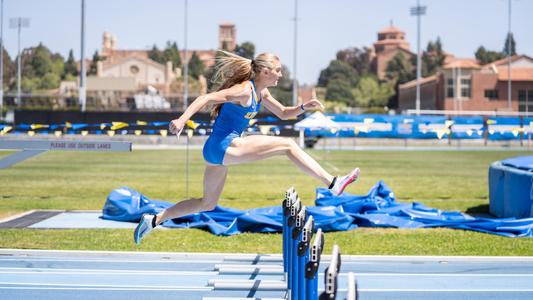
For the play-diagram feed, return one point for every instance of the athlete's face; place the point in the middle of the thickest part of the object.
(271, 76)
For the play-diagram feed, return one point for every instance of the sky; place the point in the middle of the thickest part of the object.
(324, 26)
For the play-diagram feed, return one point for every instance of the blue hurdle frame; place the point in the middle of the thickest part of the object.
(301, 258)
(303, 255)
(296, 235)
(311, 269)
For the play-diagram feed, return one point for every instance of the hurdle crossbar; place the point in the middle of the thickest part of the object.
(34, 147)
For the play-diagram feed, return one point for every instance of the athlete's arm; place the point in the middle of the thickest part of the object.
(286, 112)
(236, 93)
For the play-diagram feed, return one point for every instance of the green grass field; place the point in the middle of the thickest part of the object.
(449, 180)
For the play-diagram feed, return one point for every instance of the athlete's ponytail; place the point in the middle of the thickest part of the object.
(232, 69)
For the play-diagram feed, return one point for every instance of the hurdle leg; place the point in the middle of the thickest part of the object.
(294, 269)
(285, 244)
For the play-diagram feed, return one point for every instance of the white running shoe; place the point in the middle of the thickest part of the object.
(343, 181)
(144, 227)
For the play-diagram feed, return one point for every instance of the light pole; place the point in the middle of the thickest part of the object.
(418, 11)
(19, 23)
(295, 54)
(185, 63)
(83, 90)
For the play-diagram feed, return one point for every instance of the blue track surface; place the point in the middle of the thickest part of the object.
(26, 274)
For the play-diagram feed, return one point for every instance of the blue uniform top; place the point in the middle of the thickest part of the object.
(235, 117)
(230, 123)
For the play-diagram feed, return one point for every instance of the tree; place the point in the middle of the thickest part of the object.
(340, 90)
(357, 58)
(38, 61)
(433, 58)
(156, 55)
(94, 62)
(9, 69)
(171, 53)
(370, 93)
(485, 57)
(399, 69)
(283, 91)
(27, 84)
(58, 64)
(70, 68)
(246, 49)
(41, 69)
(196, 66)
(339, 70)
(510, 45)
(49, 81)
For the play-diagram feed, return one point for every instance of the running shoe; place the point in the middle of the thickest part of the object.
(144, 227)
(342, 182)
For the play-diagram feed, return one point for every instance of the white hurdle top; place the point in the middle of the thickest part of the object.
(65, 145)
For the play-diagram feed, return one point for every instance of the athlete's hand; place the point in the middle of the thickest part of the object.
(176, 127)
(314, 104)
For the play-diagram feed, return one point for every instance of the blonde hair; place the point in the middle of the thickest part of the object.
(232, 69)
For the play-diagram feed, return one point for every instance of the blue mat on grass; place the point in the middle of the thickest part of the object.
(332, 213)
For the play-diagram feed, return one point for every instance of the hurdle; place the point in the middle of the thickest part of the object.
(290, 199)
(296, 235)
(291, 220)
(301, 260)
(311, 269)
(330, 275)
(303, 255)
(29, 149)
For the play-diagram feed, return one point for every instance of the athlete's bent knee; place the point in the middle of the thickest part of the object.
(289, 143)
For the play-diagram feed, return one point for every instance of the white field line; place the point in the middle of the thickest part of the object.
(46, 271)
(190, 256)
(105, 286)
(443, 290)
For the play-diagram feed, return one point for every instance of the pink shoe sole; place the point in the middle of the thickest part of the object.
(353, 177)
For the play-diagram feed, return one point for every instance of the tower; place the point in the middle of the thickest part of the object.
(226, 37)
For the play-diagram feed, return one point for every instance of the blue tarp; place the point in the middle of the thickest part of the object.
(522, 162)
(333, 213)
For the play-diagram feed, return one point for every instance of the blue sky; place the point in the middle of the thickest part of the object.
(325, 26)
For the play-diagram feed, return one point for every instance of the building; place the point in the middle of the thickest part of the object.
(463, 84)
(391, 40)
(134, 73)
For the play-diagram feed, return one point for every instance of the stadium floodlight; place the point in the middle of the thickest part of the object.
(19, 23)
(418, 11)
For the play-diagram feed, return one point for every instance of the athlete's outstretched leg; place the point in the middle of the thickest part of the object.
(257, 147)
(214, 179)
